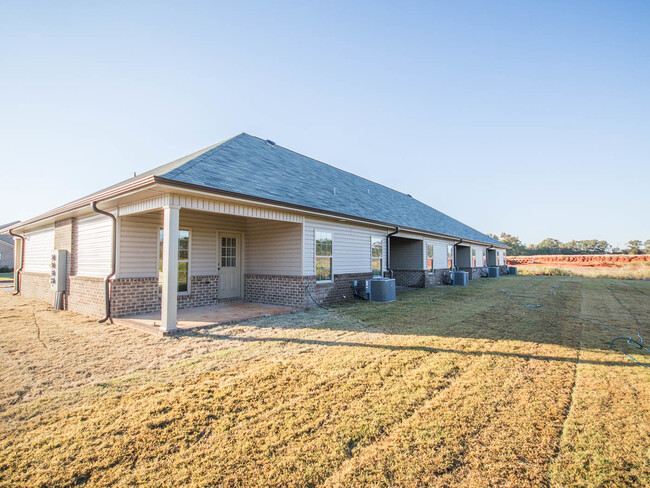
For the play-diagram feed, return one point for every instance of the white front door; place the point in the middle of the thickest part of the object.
(229, 265)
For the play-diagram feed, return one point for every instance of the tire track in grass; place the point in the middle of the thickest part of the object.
(519, 441)
(607, 437)
(384, 464)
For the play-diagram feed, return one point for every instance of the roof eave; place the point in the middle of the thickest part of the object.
(83, 202)
(192, 186)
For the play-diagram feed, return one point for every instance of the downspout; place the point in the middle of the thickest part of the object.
(388, 250)
(455, 253)
(22, 260)
(107, 297)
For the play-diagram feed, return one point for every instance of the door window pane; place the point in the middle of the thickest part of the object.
(229, 252)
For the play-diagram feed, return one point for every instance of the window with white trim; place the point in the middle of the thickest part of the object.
(484, 258)
(323, 254)
(183, 260)
(430, 257)
(450, 256)
(377, 255)
(473, 258)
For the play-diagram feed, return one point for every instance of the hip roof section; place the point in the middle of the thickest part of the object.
(252, 166)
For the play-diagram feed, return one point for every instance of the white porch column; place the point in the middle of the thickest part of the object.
(170, 267)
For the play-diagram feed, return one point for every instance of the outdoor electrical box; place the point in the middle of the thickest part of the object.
(512, 270)
(58, 270)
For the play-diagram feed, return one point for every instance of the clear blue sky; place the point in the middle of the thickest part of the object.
(526, 117)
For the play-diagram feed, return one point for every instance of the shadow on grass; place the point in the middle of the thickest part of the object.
(427, 349)
(493, 310)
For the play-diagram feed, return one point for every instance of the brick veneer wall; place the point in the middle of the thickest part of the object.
(340, 290)
(410, 277)
(474, 273)
(291, 291)
(86, 296)
(277, 289)
(435, 277)
(36, 285)
(131, 296)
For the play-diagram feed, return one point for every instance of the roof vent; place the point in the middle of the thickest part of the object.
(270, 142)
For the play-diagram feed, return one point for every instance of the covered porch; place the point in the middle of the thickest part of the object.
(200, 317)
(184, 263)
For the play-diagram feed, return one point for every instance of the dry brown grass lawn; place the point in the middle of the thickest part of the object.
(447, 387)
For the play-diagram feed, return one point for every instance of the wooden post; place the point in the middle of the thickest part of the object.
(170, 268)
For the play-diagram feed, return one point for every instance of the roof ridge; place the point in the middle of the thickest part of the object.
(338, 169)
(363, 178)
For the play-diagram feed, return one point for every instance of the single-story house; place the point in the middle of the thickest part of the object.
(6, 248)
(244, 219)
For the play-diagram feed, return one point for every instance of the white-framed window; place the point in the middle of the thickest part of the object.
(473, 258)
(450, 256)
(377, 255)
(484, 263)
(184, 237)
(430, 257)
(323, 254)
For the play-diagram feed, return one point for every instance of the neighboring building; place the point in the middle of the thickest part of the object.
(243, 219)
(6, 248)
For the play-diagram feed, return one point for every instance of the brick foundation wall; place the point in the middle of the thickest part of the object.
(36, 285)
(291, 291)
(410, 277)
(338, 291)
(474, 273)
(86, 296)
(277, 289)
(130, 296)
(435, 277)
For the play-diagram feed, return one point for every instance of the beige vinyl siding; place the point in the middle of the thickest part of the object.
(273, 247)
(351, 243)
(39, 245)
(94, 239)
(139, 245)
(439, 252)
(139, 241)
(479, 255)
(204, 227)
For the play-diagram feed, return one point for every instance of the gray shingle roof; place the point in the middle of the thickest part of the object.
(251, 166)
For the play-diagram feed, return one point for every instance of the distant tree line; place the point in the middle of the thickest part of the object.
(554, 246)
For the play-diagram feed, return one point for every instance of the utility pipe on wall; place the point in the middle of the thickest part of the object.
(22, 260)
(107, 297)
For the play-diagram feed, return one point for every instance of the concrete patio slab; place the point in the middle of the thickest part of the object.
(198, 317)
